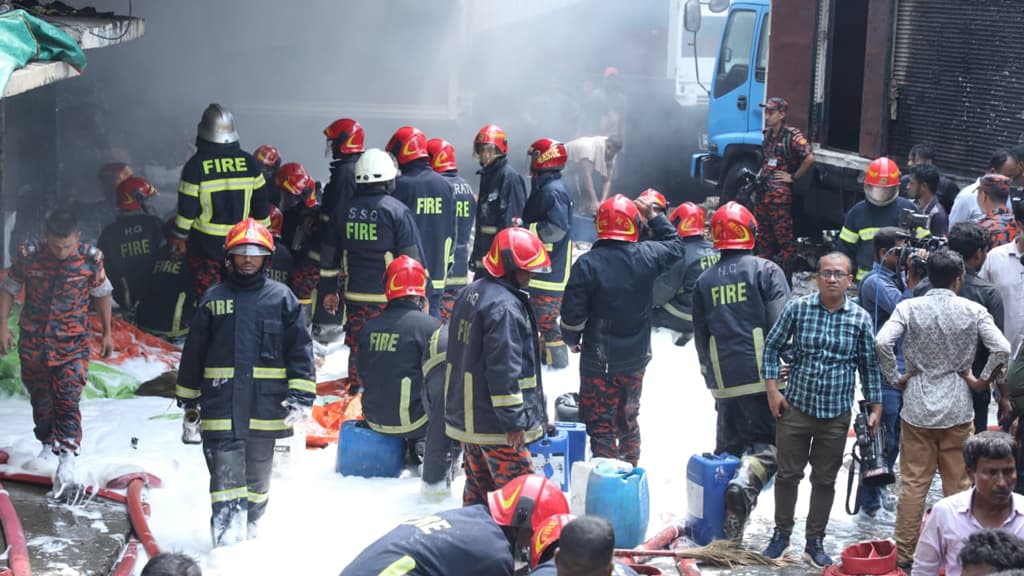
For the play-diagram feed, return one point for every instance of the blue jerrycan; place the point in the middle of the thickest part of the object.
(707, 477)
(363, 452)
(621, 497)
(550, 458)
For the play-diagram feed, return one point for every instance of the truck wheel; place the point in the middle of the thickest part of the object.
(731, 184)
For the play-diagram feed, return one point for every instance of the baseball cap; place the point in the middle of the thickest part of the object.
(776, 103)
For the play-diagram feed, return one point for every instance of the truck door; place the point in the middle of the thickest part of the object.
(731, 105)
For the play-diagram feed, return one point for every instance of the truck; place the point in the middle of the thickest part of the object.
(863, 78)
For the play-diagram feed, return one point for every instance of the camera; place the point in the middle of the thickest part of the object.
(874, 465)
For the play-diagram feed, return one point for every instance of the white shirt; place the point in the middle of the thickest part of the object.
(965, 206)
(1003, 269)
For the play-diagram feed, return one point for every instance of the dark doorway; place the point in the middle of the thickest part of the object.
(845, 87)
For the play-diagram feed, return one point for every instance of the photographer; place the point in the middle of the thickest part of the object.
(938, 410)
(970, 241)
(880, 291)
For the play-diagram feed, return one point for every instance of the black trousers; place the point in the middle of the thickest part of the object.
(441, 453)
(239, 484)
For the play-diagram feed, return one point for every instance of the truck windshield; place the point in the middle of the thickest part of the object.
(734, 57)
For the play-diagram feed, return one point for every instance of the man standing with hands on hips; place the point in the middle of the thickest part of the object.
(832, 339)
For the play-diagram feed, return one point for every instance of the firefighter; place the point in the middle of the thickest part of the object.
(60, 276)
(345, 139)
(492, 537)
(548, 212)
(392, 350)
(735, 305)
(881, 207)
(300, 231)
(269, 160)
(281, 262)
(660, 205)
(130, 243)
(673, 290)
(429, 196)
(494, 402)
(247, 367)
(586, 550)
(220, 185)
(502, 192)
(442, 455)
(613, 332)
(167, 306)
(442, 160)
(374, 228)
(785, 157)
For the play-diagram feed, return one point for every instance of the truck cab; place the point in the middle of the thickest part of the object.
(737, 88)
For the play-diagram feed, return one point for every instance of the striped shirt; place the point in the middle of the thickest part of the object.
(828, 349)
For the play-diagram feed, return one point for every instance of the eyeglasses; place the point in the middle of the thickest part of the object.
(833, 274)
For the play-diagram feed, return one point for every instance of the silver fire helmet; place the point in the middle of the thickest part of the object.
(217, 125)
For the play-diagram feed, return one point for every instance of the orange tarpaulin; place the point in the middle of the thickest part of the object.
(327, 419)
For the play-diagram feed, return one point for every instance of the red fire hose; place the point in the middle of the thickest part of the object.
(137, 513)
(17, 557)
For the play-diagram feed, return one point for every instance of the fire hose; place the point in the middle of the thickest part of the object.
(138, 511)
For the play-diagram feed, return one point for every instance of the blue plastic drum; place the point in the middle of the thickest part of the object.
(363, 452)
(622, 498)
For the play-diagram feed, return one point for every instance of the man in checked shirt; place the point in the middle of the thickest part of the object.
(832, 338)
(938, 409)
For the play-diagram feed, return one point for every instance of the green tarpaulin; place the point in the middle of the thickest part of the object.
(24, 38)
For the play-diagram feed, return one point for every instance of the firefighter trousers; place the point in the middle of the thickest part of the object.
(610, 406)
(489, 468)
(441, 453)
(239, 484)
(55, 389)
(357, 314)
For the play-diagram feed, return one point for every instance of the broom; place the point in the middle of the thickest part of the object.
(721, 553)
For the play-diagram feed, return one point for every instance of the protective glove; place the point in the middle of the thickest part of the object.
(190, 430)
(296, 412)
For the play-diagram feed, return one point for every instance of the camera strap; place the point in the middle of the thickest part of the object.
(855, 463)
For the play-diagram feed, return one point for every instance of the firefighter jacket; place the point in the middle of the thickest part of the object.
(167, 307)
(607, 302)
(429, 197)
(393, 349)
(434, 367)
(374, 229)
(856, 239)
(735, 305)
(340, 188)
(129, 247)
(465, 215)
(248, 350)
(499, 205)
(57, 294)
(493, 363)
(549, 214)
(281, 264)
(221, 185)
(459, 542)
(673, 290)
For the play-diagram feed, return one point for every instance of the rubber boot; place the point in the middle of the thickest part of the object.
(44, 462)
(556, 355)
(751, 477)
(64, 479)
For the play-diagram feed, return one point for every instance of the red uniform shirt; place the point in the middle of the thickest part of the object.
(57, 292)
(784, 150)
